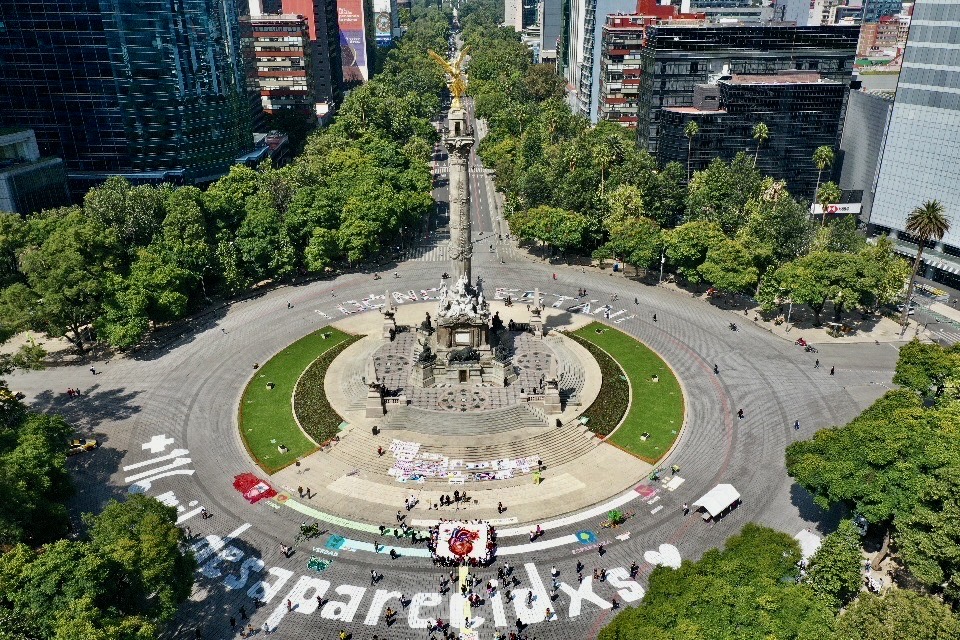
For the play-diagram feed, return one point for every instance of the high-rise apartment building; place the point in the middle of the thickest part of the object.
(801, 110)
(325, 53)
(921, 153)
(620, 62)
(675, 59)
(277, 50)
(147, 88)
(582, 36)
(887, 37)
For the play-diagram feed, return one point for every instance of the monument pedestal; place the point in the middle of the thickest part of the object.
(374, 402)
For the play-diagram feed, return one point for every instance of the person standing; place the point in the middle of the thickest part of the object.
(796, 426)
(831, 370)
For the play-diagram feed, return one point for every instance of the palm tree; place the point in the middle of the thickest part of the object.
(607, 151)
(927, 222)
(691, 130)
(760, 133)
(823, 158)
(829, 193)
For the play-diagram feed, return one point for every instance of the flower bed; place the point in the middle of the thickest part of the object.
(655, 415)
(310, 404)
(611, 403)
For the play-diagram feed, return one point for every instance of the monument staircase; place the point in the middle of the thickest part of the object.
(357, 449)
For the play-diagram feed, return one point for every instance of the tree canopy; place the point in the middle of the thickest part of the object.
(896, 464)
(747, 590)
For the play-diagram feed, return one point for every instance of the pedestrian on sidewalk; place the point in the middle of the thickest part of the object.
(816, 365)
(654, 317)
(831, 370)
(380, 451)
(740, 413)
(500, 508)
(300, 491)
(686, 509)
(796, 426)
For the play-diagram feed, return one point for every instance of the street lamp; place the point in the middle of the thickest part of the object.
(663, 258)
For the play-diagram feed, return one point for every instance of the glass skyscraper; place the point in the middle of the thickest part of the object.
(921, 154)
(148, 87)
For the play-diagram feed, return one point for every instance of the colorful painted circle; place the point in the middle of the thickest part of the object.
(586, 537)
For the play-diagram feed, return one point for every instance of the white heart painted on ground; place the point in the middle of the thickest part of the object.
(667, 555)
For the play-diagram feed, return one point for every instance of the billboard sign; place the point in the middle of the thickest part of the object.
(382, 23)
(837, 209)
(353, 41)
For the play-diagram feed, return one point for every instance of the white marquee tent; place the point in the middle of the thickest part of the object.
(716, 501)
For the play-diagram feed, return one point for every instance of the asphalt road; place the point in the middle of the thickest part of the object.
(168, 423)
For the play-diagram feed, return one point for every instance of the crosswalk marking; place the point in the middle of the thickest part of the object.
(429, 253)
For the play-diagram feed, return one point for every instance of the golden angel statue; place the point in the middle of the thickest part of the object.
(458, 79)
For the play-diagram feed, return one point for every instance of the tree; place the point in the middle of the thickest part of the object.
(142, 537)
(895, 465)
(33, 470)
(746, 590)
(691, 131)
(626, 201)
(543, 83)
(607, 151)
(686, 246)
(776, 223)
(834, 570)
(822, 158)
(636, 240)
(927, 222)
(38, 583)
(761, 133)
(721, 192)
(828, 193)
(928, 369)
(729, 266)
(899, 613)
(322, 250)
(66, 278)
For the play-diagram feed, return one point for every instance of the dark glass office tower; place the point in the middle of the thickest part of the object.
(675, 59)
(148, 88)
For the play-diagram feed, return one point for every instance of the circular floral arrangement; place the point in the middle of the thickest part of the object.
(454, 543)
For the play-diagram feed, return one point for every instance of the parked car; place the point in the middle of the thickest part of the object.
(80, 445)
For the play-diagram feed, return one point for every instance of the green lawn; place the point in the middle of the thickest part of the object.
(266, 415)
(655, 407)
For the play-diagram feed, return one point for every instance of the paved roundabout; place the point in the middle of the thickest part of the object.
(168, 422)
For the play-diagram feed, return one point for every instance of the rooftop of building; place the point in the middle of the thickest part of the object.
(886, 95)
(801, 77)
(277, 17)
(702, 112)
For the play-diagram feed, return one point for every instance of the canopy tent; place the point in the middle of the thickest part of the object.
(715, 501)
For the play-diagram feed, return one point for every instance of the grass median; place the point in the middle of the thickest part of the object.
(655, 397)
(266, 413)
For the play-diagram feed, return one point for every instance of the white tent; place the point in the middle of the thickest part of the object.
(715, 501)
